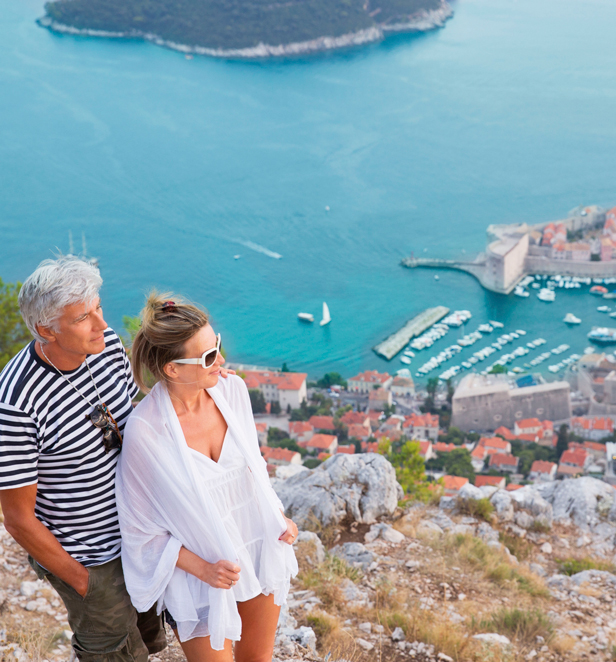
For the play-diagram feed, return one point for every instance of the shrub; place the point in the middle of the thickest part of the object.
(572, 566)
(480, 508)
(523, 625)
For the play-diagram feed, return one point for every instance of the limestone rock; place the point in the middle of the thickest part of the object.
(503, 505)
(354, 553)
(529, 499)
(362, 643)
(493, 638)
(305, 637)
(583, 500)
(487, 533)
(28, 589)
(447, 503)
(538, 569)
(445, 522)
(363, 486)
(469, 491)
(385, 532)
(398, 635)
(316, 551)
(429, 528)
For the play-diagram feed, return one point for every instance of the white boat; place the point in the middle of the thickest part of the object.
(603, 309)
(409, 354)
(570, 318)
(520, 332)
(326, 316)
(485, 328)
(546, 295)
(436, 277)
(237, 257)
(521, 292)
(405, 359)
(306, 317)
(497, 325)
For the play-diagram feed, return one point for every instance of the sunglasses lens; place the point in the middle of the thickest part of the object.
(210, 357)
(98, 417)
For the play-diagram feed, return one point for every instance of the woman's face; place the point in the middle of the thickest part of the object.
(196, 375)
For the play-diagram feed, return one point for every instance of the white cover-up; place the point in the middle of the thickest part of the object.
(164, 503)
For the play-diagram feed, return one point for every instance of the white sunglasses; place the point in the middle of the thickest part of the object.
(207, 358)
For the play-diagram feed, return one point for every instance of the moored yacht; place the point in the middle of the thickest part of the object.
(570, 318)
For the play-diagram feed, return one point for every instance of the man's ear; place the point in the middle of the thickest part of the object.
(45, 332)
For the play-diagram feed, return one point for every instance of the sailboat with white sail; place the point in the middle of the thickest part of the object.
(326, 316)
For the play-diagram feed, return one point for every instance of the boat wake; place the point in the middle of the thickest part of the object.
(260, 249)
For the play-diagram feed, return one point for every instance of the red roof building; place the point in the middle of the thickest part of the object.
(322, 423)
(453, 484)
(286, 388)
(541, 470)
(492, 481)
(261, 433)
(280, 456)
(505, 433)
(365, 381)
(359, 432)
(323, 456)
(442, 447)
(348, 449)
(592, 427)
(355, 418)
(527, 426)
(426, 450)
(478, 457)
(370, 446)
(512, 487)
(322, 442)
(300, 430)
(421, 426)
(504, 462)
(495, 444)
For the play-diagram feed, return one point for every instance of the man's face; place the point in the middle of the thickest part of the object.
(80, 329)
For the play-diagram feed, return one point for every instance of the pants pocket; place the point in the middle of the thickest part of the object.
(101, 648)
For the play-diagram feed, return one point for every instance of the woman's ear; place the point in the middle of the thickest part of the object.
(170, 371)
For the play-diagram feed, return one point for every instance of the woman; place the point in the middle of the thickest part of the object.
(203, 533)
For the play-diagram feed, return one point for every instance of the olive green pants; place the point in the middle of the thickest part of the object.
(106, 627)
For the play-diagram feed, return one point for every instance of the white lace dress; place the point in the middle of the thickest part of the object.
(231, 486)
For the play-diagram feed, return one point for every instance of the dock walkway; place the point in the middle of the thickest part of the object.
(415, 327)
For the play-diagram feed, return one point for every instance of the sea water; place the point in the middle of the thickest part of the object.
(341, 163)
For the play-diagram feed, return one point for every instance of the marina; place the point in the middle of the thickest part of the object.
(395, 343)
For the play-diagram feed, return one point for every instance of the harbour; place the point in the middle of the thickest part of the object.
(395, 343)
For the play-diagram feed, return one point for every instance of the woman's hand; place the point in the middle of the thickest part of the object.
(222, 574)
(290, 535)
(225, 372)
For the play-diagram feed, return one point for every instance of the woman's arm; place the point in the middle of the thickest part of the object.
(223, 574)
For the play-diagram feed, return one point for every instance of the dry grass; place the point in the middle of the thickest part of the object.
(573, 565)
(329, 535)
(563, 644)
(479, 508)
(519, 547)
(324, 579)
(521, 624)
(332, 638)
(493, 564)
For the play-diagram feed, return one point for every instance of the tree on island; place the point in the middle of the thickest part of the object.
(14, 334)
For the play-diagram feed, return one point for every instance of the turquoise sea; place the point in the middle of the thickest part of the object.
(170, 166)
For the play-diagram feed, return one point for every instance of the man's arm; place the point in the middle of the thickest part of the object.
(21, 522)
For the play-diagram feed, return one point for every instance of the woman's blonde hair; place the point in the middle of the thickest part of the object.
(167, 322)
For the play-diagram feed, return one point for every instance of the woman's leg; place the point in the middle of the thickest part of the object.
(199, 650)
(259, 621)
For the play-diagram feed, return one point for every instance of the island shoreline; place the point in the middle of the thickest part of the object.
(425, 21)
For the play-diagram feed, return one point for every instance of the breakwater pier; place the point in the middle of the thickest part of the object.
(415, 327)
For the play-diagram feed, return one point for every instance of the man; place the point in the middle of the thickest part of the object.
(64, 400)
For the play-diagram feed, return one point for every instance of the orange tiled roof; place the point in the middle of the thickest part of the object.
(358, 431)
(323, 455)
(479, 452)
(421, 421)
(261, 427)
(370, 446)
(532, 436)
(494, 442)
(348, 450)
(576, 457)
(542, 467)
(281, 454)
(371, 377)
(323, 441)
(500, 459)
(285, 381)
(495, 481)
(593, 423)
(512, 487)
(454, 482)
(424, 447)
(505, 433)
(354, 418)
(299, 427)
(442, 447)
(529, 423)
(322, 422)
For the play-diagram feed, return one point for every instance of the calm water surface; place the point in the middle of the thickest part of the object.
(169, 166)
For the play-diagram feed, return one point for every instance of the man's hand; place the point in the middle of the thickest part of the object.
(21, 522)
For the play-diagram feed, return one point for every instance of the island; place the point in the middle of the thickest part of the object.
(246, 28)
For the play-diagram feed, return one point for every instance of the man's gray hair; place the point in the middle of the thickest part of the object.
(54, 285)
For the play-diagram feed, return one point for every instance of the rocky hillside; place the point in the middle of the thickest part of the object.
(246, 27)
(489, 575)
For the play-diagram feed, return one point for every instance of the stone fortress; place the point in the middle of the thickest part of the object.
(517, 250)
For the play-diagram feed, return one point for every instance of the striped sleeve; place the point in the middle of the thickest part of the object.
(19, 449)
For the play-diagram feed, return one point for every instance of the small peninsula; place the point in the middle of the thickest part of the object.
(246, 28)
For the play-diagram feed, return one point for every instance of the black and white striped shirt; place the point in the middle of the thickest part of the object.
(45, 439)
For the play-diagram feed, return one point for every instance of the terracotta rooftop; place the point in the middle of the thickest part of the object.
(503, 459)
(322, 422)
(542, 467)
(454, 483)
(495, 481)
(370, 377)
(298, 427)
(323, 441)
